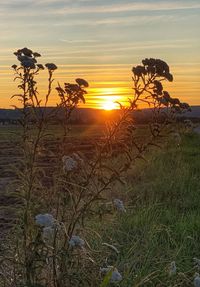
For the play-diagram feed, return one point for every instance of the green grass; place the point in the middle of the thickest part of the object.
(162, 223)
(163, 219)
(8, 132)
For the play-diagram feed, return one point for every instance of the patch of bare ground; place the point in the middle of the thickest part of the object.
(10, 160)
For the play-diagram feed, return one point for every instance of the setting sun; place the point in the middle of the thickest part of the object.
(110, 101)
(107, 98)
(109, 105)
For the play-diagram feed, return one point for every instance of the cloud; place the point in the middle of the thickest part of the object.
(126, 20)
(127, 7)
(55, 7)
(93, 45)
(86, 41)
(117, 51)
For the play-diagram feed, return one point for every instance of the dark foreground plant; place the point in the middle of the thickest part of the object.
(52, 247)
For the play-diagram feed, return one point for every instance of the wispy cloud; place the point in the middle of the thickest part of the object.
(55, 7)
(117, 51)
(128, 20)
(86, 41)
(131, 6)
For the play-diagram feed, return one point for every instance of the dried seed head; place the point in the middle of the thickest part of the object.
(45, 220)
(76, 241)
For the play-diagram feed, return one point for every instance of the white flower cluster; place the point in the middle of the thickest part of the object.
(76, 241)
(45, 220)
(197, 280)
(197, 262)
(48, 222)
(172, 268)
(115, 277)
(71, 162)
(119, 205)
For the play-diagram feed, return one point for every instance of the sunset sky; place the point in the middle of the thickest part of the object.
(100, 41)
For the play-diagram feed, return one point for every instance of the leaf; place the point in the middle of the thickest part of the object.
(82, 98)
(111, 247)
(106, 279)
(17, 95)
(120, 105)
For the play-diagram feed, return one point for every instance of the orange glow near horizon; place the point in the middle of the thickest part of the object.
(110, 105)
(107, 98)
(110, 97)
(104, 89)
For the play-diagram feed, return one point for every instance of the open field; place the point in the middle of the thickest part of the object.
(161, 225)
(162, 220)
(81, 138)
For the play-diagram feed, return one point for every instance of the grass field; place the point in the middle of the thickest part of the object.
(81, 131)
(161, 225)
(162, 221)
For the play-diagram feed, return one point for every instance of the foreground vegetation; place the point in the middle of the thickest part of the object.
(161, 225)
(62, 193)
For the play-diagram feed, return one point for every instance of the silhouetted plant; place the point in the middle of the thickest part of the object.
(53, 250)
(70, 96)
(148, 89)
(148, 79)
(33, 122)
